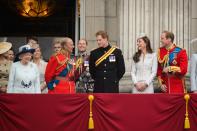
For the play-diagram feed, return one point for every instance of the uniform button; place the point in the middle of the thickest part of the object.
(105, 65)
(104, 78)
(104, 71)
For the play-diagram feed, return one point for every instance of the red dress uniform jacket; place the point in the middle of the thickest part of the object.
(176, 60)
(59, 75)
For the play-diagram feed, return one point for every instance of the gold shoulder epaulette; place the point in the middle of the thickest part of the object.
(165, 58)
(115, 46)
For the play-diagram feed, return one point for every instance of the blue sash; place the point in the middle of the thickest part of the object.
(173, 54)
(63, 73)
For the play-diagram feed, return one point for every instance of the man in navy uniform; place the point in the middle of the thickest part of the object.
(106, 65)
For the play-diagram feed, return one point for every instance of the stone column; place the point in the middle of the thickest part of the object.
(94, 20)
(99, 15)
(194, 27)
(152, 17)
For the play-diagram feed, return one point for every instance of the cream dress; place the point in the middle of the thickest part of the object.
(24, 78)
(144, 71)
(193, 71)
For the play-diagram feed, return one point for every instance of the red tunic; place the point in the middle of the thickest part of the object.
(176, 60)
(57, 63)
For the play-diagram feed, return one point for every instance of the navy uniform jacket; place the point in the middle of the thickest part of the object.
(108, 73)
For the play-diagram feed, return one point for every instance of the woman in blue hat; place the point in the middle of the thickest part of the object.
(24, 75)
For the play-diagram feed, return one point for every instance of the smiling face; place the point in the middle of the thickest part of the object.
(141, 44)
(69, 45)
(37, 54)
(165, 41)
(82, 45)
(10, 55)
(102, 42)
(25, 57)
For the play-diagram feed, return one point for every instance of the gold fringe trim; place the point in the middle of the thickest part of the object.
(79, 62)
(187, 123)
(174, 69)
(164, 60)
(91, 121)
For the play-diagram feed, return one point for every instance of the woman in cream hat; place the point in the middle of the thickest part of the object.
(5, 65)
(24, 74)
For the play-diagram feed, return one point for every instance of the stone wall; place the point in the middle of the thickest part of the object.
(100, 15)
(194, 27)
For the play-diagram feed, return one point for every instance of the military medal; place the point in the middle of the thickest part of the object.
(174, 62)
(112, 58)
(86, 63)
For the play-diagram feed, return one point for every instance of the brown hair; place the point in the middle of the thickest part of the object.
(31, 38)
(169, 35)
(137, 55)
(103, 34)
(84, 40)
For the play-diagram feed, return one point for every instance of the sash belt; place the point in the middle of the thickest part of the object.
(60, 78)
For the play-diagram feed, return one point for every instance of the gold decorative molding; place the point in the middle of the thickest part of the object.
(78, 7)
(35, 8)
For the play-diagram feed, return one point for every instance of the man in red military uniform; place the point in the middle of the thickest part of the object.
(172, 65)
(59, 74)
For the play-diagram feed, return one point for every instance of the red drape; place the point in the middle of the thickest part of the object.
(44, 112)
(193, 111)
(111, 112)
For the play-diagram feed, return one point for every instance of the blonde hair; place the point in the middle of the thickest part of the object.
(63, 42)
(57, 40)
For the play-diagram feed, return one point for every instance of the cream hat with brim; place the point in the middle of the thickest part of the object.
(4, 47)
(141, 35)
